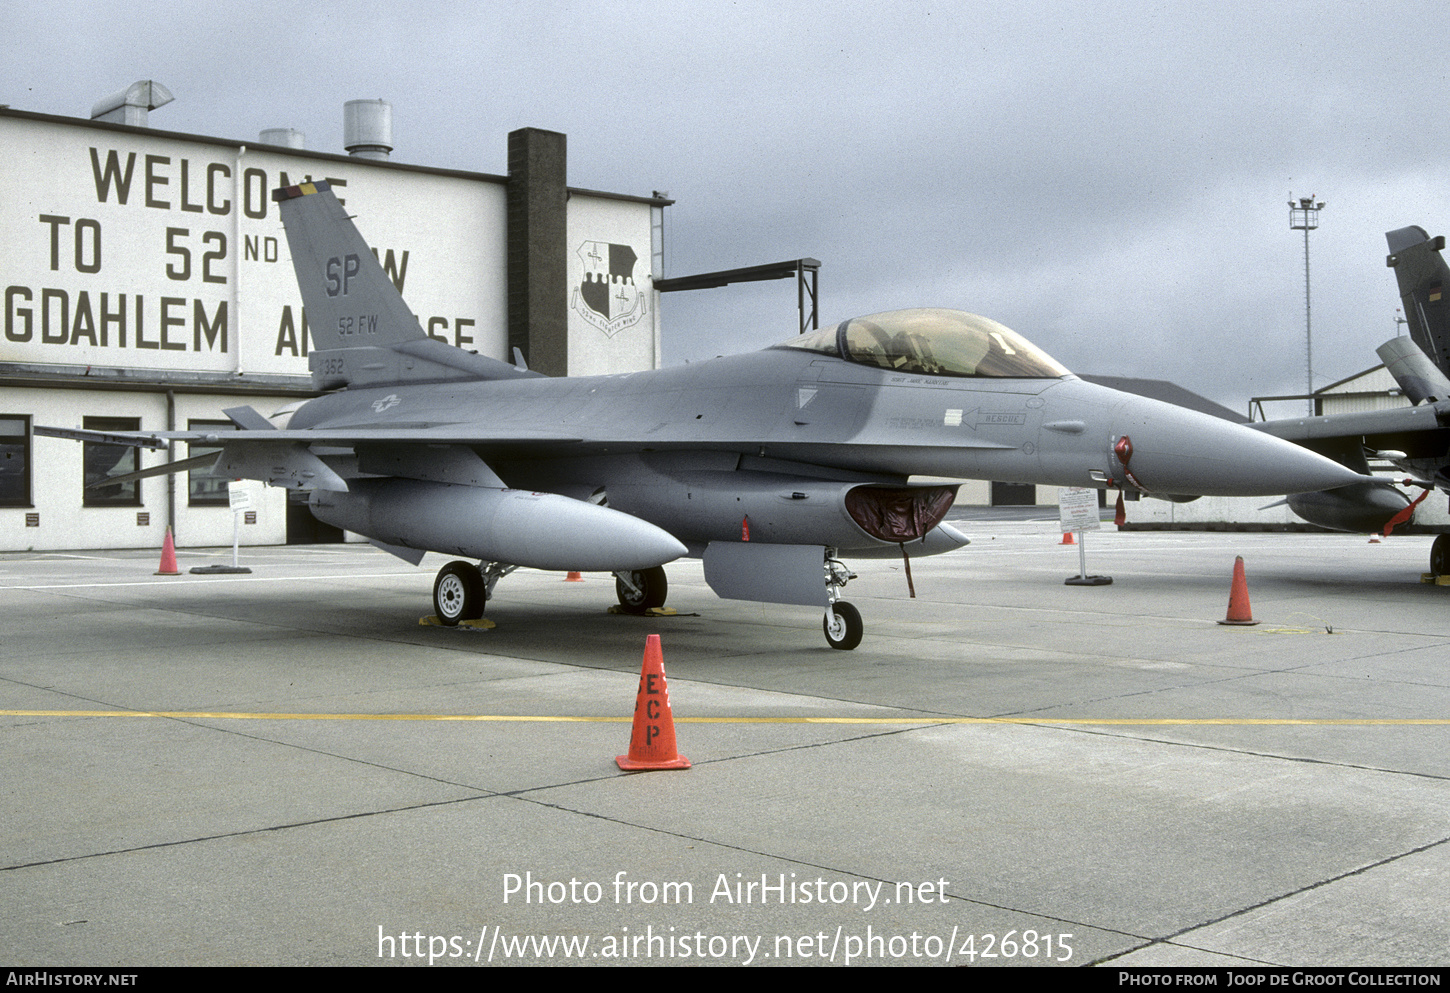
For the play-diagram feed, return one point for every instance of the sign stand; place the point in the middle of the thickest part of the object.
(239, 496)
(1078, 508)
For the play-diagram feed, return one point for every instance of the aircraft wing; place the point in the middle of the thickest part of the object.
(1385, 424)
(285, 457)
(332, 437)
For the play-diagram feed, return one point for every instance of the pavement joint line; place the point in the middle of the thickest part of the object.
(584, 719)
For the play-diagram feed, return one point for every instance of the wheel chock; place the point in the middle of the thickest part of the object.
(481, 624)
(652, 741)
(1430, 577)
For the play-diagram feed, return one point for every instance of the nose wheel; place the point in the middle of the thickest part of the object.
(640, 590)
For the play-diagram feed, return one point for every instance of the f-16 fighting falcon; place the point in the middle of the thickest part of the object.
(772, 466)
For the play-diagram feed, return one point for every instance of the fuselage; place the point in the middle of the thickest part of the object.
(803, 415)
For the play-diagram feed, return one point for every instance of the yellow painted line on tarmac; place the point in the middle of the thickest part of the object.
(568, 719)
(186, 580)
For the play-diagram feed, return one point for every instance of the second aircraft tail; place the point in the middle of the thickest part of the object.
(1424, 289)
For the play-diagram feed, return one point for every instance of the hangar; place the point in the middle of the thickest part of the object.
(148, 287)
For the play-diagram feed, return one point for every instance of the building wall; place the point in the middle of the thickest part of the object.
(137, 263)
(614, 312)
(62, 519)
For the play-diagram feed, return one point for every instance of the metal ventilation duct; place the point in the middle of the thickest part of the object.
(367, 129)
(286, 137)
(132, 105)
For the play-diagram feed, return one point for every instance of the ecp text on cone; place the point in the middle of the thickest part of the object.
(652, 741)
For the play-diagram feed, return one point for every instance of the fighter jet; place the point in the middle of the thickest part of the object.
(771, 466)
(1415, 439)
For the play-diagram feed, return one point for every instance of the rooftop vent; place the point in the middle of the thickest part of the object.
(286, 137)
(367, 129)
(133, 104)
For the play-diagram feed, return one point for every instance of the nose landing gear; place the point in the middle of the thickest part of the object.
(842, 623)
(641, 590)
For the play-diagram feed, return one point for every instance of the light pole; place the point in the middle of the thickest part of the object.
(1304, 216)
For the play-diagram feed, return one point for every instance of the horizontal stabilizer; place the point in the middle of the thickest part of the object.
(170, 468)
(1418, 377)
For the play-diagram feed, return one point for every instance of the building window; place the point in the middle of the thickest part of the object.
(204, 490)
(102, 461)
(15, 460)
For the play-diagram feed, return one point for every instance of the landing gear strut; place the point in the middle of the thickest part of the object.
(462, 589)
(641, 590)
(842, 623)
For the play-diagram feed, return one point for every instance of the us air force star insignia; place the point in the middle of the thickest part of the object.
(803, 396)
(391, 400)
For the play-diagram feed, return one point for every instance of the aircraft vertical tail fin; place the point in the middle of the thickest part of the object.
(1424, 282)
(350, 300)
(362, 331)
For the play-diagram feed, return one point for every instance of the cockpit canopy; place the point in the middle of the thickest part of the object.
(933, 342)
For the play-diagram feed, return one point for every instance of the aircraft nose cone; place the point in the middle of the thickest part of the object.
(1172, 450)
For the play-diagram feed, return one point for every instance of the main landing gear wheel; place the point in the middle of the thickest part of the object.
(843, 626)
(1440, 556)
(458, 593)
(644, 589)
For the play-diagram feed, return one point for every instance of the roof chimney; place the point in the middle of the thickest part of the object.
(131, 105)
(367, 129)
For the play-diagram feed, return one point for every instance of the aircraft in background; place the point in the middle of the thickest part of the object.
(1415, 439)
(770, 466)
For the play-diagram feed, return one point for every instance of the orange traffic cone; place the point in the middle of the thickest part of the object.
(652, 744)
(1238, 598)
(1067, 539)
(573, 577)
(168, 557)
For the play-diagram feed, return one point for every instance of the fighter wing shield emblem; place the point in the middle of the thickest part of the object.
(607, 295)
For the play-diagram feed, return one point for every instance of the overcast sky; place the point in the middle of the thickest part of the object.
(1109, 179)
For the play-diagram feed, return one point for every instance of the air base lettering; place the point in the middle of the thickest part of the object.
(105, 320)
(182, 184)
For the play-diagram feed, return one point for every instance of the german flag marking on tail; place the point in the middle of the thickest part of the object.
(300, 190)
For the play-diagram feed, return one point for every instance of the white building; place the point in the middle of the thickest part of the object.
(148, 287)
